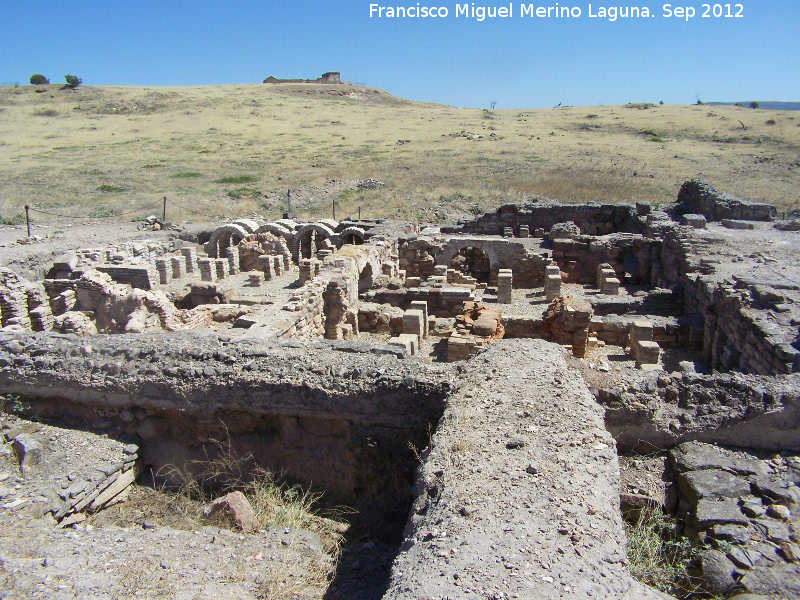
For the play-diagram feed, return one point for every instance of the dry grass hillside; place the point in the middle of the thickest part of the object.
(233, 150)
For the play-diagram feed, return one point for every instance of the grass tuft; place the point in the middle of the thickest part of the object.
(185, 174)
(238, 179)
(110, 189)
(658, 556)
(275, 501)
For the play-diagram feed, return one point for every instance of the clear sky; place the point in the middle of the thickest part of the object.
(518, 61)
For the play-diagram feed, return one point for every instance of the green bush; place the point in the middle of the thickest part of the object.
(17, 219)
(38, 79)
(754, 105)
(73, 81)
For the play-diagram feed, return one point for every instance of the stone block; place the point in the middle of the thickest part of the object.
(28, 450)
(552, 287)
(641, 331)
(423, 306)
(414, 322)
(736, 224)
(647, 353)
(504, 286)
(404, 343)
(611, 286)
(484, 327)
(277, 265)
(695, 221)
(66, 262)
(412, 341)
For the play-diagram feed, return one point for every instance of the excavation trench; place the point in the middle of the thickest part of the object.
(341, 420)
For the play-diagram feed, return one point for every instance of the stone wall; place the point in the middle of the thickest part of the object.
(669, 332)
(420, 256)
(444, 301)
(143, 277)
(592, 218)
(628, 254)
(700, 197)
(736, 336)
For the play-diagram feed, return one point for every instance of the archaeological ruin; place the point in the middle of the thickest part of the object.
(490, 398)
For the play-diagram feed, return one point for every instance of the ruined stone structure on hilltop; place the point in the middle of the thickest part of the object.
(331, 77)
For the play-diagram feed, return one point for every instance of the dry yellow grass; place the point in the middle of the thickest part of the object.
(116, 149)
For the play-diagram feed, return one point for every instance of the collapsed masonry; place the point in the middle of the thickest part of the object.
(664, 284)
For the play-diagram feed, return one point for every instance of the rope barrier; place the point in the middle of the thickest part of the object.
(196, 212)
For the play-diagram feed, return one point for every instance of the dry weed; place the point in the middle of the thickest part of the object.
(275, 501)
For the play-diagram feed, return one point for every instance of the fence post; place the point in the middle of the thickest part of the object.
(28, 219)
(164, 214)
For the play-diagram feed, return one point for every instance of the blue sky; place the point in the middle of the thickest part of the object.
(521, 62)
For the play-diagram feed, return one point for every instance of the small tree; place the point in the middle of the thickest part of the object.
(754, 105)
(38, 79)
(73, 81)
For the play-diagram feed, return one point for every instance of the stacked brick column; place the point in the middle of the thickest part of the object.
(265, 266)
(552, 283)
(232, 254)
(190, 256)
(504, 280)
(207, 269)
(221, 266)
(607, 280)
(163, 270)
(306, 270)
(643, 349)
(178, 263)
(423, 306)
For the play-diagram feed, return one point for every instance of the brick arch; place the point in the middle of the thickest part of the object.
(277, 229)
(356, 232)
(223, 237)
(454, 246)
(247, 224)
(308, 230)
